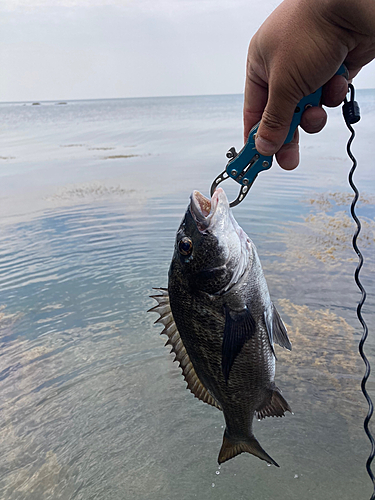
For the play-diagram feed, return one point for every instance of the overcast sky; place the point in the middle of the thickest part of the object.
(85, 49)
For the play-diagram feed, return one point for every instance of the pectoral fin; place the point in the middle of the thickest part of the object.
(239, 328)
(275, 328)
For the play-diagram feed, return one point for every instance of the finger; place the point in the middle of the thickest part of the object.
(254, 103)
(334, 91)
(288, 156)
(276, 119)
(353, 73)
(313, 119)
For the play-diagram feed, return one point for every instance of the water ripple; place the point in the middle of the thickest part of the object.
(91, 404)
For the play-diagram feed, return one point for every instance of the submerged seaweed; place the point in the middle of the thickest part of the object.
(321, 375)
(325, 237)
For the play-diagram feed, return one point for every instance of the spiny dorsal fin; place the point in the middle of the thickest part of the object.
(275, 406)
(174, 340)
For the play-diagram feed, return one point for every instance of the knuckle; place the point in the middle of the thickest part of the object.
(273, 120)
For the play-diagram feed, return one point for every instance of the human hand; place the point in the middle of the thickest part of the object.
(298, 49)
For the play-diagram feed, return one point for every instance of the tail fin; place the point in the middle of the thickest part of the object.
(230, 449)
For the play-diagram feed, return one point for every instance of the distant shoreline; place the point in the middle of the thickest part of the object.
(67, 101)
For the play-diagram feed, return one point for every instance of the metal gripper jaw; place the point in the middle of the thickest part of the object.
(243, 167)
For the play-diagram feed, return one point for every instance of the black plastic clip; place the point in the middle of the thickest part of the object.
(350, 108)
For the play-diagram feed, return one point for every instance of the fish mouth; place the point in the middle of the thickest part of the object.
(203, 209)
(216, 216)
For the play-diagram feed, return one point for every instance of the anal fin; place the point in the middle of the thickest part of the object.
(231, 448)
(275, 405)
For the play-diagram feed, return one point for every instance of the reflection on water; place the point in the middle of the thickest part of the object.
(91, 404)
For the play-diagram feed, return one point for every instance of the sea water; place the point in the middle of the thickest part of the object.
(92, 406)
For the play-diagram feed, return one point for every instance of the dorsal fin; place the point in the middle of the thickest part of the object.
(174, 340)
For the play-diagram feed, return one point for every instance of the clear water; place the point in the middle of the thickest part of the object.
(91, 194)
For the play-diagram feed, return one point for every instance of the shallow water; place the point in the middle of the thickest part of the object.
(92, 406)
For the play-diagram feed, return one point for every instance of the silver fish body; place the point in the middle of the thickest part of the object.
(221, 322)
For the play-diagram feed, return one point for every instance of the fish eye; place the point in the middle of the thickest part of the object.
(185, 246)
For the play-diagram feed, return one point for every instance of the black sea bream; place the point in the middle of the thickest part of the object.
(221, 322)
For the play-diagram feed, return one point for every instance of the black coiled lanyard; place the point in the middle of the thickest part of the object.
(351, 114)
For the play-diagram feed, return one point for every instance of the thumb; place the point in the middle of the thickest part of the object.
(275, 123)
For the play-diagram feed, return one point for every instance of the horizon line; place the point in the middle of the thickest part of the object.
(64, 101)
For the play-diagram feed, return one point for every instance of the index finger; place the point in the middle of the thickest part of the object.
(255, 100)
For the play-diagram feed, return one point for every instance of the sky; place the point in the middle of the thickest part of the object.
(90, 49)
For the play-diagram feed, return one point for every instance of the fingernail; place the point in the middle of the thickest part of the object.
(320, 122)
(264, 146)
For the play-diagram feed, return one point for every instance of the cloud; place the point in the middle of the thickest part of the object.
(88, 49)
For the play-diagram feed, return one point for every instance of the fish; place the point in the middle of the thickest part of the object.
(221, 323)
